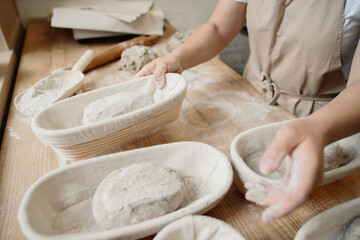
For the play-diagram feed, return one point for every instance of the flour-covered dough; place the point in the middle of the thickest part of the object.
(333, 158)
(177, 39)
(195, 227)
(116, 105)
(137, 193)
(353, 230)
(135, 57)
(126, 101)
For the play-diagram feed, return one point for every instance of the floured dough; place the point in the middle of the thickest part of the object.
(198, 228)
(353, 230)
(333, 158)
(135, 57)
(176, 40)
(122, 102)
(115, 105)
(137, 193)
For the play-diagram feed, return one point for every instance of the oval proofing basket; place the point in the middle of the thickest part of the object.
(249, 146)
(60, 126)
(339, 222)
(58, 205)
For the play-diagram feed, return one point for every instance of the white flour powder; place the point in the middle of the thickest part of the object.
(13, 134)
(44, 93)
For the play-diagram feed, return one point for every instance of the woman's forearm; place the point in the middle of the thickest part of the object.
(212, 37)
(341, 117)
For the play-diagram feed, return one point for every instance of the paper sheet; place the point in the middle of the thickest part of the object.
(80, 34)
(127, 11)
(148, 24)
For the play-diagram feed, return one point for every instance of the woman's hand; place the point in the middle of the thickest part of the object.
(203, 44)
(301, 144)
(159, 67)
(304, 141)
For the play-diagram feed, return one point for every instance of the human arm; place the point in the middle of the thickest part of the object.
(204, 43)
(304, 141)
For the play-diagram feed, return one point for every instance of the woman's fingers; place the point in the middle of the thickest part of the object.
(262, 186)
(257, 197)
(301, 146)
(263, 193)
(288, 163)
(303, 173)
(159, 67)
(279, 200)
(285, 141)
(159, 74)
(283, 206)
(155, 68)
(147, 70)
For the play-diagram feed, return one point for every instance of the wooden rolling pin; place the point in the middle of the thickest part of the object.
(112, 53)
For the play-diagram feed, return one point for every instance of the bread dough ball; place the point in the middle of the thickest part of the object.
(137, 193)
(176, 40)
(198, 228)
(353, 230)
(333, 158)
(135, 57)
(116, 105)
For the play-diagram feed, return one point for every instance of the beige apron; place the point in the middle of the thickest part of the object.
(295, 52)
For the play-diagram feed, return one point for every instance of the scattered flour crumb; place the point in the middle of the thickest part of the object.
(13, 134)
(62, 162)
(25, 119)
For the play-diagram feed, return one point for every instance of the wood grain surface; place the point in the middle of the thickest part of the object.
(7, 71)
(219, 105)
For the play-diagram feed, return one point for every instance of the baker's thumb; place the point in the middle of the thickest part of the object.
(284, 143)
(159, 74)
(146, 70)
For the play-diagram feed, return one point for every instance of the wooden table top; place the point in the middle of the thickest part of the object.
(7, 71)
(219, 105)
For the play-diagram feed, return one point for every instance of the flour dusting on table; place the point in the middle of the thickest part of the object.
(44, 93)
(13, 134)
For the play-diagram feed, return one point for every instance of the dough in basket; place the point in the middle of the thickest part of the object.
(137, 193)
(334, 157)
(115, 105)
